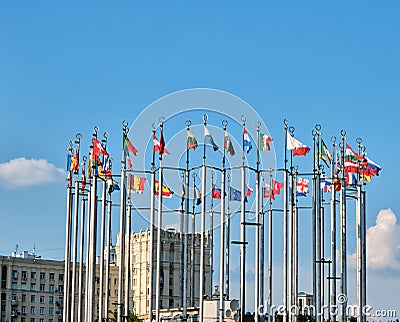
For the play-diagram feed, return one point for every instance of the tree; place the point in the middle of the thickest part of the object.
(130, 318)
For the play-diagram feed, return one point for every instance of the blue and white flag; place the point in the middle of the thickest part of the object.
(208, 139)
(235, 195)
(246, 141)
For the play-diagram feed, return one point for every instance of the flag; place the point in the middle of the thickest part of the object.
(159, 146)
(105, 168)
(248, 191)
(351, 179)
(326, 184)
(373, 167)
(128, 158)
(166, 192)
(112, 185)
(299, 149)
(136, 183)
(246, 141)
(351, 155)
(69, 161)
(216, 192)
(208, 139)
(323, 153)
(302, 187)
(366, 175)
(265, 141)
(191, 141)
(83, 181)
(267, 192)
(228, 144)
(235, 195)
(98, 148)
(75, 162)
(128, 146)
(197, 195)
(276, 187)
(351, 166)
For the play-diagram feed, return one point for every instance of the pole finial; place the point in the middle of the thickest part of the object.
(154, 126)
(243, 119)
(343, 133)
(257, 125)
(205, 118)
(224, 124)
(318, 127)
(333, 139)
(359, 140)
(188, 123)
(291, 130)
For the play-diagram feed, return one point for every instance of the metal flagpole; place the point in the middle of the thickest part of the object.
(227, 242)
(343, 259)
(211, 234)
(159, 228)
(182, 214)
(222, 242)
(75, 237)
(270, 249)
(262, 246)
(67, 258)
(81, 249)
(108, 257)
(285, 224)
(128, 257)
(364, 249)
(257, 235)
(122, 230)
(291, 232)
(243, 233)
(359, 240)
(295, 247)
(88, 233)
(193, 244)
(202, 228)
(151, 248)
(186, 226)
(102, 241)
(333, 232)
(318, 225)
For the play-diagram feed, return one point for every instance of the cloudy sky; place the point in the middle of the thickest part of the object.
(66, 68)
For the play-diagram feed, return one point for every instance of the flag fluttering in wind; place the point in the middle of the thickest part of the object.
(351, 155)
(136, 183)
(246, 141)
(324, 154)
(191, 141)
(351, 178)
(373, 167)
(248, 191)
(98, 148)
(128, 146)
(216, 192)
(235, 195)
(208, 138)
(197, 195)
(265, 141)
(302, 187)
(83, 181)
(267, 192)
(75, 162)
(104, 169)
(326, 184)
(228, 144)
(69, 161)
(276, 187)
(112, 185)
(299, 149)
(159, 146)
(165, 191)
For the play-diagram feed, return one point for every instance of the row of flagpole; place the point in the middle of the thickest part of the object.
(290, 230)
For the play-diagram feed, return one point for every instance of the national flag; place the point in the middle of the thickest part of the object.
(69, 161)
(351, 155)
(106, 167)
(351, 179)
(228, 144)
(216, 192)
(267, 192)
(265, 141)
(98, 148)
(159, 146)
(235, 195)
(197, 195)
(324, 154)
(191, 141)
(302, 187)
(83, 180)
(366, 175)
(248, 191)
(128, 158)
(128, 146)
(112, 185)
(351, 166)
(299, 149)
(136, 183)
(75, 162)
(374, 168)
(326, 184)
(246, 141)
(276, 187)
(208, 138)
(165, 191)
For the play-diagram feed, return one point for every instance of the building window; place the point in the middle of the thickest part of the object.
(23, 299)
(33, 287)
(41, 310)
(24, 275)
(33, 275)
(32, 319)
(41, 320)
(60, 288)
(33, 298)
(14, 274)
(32, 310)
(50, 320)
(14, 285)
(42, 275)
(42, 287)
(51, 299)
(61, 277)
(23, 319)
(51, 288)
(51, 311)
(42, 299)
(23, 286)
(52, 276)
(23, 309)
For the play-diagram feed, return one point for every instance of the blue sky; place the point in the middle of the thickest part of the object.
(66, 68)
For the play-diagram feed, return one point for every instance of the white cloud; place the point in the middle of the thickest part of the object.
(22, 172)
(383, 243)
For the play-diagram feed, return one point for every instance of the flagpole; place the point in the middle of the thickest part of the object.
(88, 233)
(81, 250)
(363, 224)
(122, 230)
(228, 242)
(333, 231)
(193, 244)
(152, 215)
(102, 239)
(291, 231)
(67, 258)
(319, 265)
(182, 236)
(295, 244)
(202, 228)
(314, 226)
(343, 259)
(159, 225)
(359, 239)
(128, 257)
(186, 226)
(211, 234)
(270, 250)
(107, 277)
(222, 242)
(257, 235)
(75, 236)
(243, 232)
(262, 247)
(285, 224)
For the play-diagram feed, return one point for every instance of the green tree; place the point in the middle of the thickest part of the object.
(130, 318)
